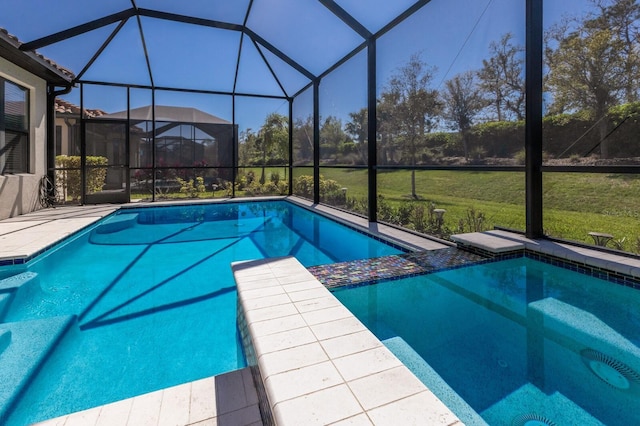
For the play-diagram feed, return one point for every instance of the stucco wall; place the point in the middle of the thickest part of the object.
(19, 193)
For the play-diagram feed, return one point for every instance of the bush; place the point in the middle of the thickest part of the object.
(269, 188)
(330, 191)
(303, 186)
(475, 221)
(191, 188)
(275, 177)
(496, 139)
(70, 179)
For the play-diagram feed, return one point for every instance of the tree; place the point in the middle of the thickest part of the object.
(587, 71)
(332, 136)
(273, 138)
(462, 104)
(303, 140)
(622, 17)
(388, 131)
(502, 79)
(358, 129)
(411, 108)
(247, 148)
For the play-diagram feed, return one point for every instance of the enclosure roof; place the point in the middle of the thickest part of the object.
(264, 47)
(168, 113)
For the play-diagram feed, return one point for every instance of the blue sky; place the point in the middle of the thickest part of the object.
(451, 35)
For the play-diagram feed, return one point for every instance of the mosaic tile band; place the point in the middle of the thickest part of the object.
(393, 267)
(368, 271)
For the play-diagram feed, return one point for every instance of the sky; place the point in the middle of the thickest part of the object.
(451, 35)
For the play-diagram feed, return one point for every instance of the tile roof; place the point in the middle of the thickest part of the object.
(33, 58)
(66, 107)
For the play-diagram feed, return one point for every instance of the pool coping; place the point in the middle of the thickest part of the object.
(316, 363)
(228, 398)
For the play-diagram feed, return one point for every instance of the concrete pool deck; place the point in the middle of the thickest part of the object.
(230, 399)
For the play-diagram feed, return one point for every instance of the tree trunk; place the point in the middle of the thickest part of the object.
(465, 144)
(264, 160)
(414, 195)
(604, 143)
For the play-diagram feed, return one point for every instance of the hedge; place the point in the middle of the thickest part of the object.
(68, 176)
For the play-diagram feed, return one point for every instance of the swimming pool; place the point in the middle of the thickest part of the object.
(145, 300)
(513, 342)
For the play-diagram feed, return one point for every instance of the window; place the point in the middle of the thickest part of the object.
(14, 128)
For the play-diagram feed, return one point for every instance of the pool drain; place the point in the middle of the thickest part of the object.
(531, 419)
(613, 372)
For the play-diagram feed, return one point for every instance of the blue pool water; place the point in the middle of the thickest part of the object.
(513, 341)
(144, 300)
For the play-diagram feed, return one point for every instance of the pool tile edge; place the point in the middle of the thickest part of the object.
(311, 401)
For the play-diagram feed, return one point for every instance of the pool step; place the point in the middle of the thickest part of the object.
(431, 379)
(28, 346)
(15, 281)
(528, 400)
(5, 301)
(578, 329)
(487, 242)
(17, 289)
(117, 223)
(5, 339)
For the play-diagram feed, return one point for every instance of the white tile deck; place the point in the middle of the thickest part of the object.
(23, 236)
(326, 366)
(227, 399)
(489, 242)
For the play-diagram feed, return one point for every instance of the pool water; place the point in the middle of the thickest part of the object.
(513, 342)
(145, 300)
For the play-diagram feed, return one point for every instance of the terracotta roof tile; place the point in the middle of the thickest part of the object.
(17, 43)
(66, 107)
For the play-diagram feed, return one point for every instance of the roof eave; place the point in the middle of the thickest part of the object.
(32, 62)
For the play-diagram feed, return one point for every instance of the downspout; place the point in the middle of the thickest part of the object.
(51, 132)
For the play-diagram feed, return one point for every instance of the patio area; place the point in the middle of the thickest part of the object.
(464, 133)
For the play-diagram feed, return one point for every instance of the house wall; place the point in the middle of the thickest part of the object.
(66, 122)
(19, 192)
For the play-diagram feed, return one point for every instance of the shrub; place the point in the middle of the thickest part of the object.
(475, 221)
(70, 179)
(303, 186)
(386, 212)
(520, 157)
(269, 188)
(330, 191)
(191, 188)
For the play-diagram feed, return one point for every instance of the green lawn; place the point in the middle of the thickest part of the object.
(574, 203)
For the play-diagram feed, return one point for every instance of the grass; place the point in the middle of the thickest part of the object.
(574, 203)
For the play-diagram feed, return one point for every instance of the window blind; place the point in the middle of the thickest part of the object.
(15, 106)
